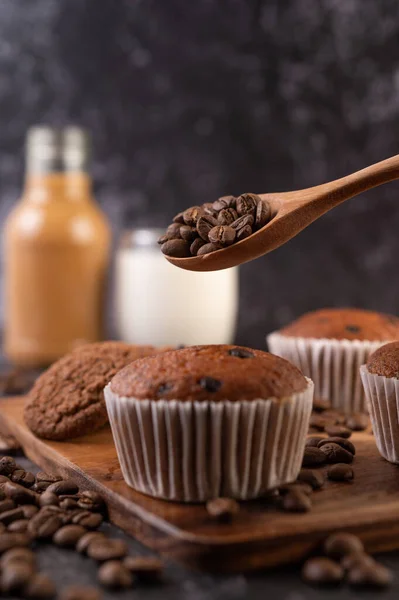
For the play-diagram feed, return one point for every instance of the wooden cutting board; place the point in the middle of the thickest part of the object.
(259, 537)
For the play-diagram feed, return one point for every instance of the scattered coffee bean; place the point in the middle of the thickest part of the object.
(3, 528)
(69, 535)
(19, 526)
(66, 486)
(196, 245)
(112, 574)
(176, 248)
(364, 575)
(296, 486)
(322, 571)
(107, 549)
(44, 524)
(335, 417)
(13, 540)
(22, 477)
(40, 587)
(204, 225)
(85, 541)
(15, 577)
(296, 501)
(18, 554)
(80, 592)
(357, 422)
(340, 544)
(356, 558)
(87, 519)
(48, 499)
(9, 516)
(207, 248)
(41, 476)
(313, 457)
(91, 501)
(319, 422)
(40, 486)
(19, 494)
(146, 569)
(313, 478)
(338, 431)
(222, 234)
(29, 510)
(347, 444)
(336, 454)
(68, 504)
(7, 465)
(222, 510)
(320, 404)
(313, 441)
(340, 472)
(6, 505)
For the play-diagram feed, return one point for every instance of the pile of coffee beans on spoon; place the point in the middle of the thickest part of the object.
(212, 226)
(46, 509)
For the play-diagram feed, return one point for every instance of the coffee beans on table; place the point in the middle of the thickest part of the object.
(296, 501)
(147, 569)
(313, 478)
(203, 229)
(313, 457)
(340, 544)
(369, 575)
(322, 571)
(340, 472)
(113, 574)
(40, 587)
(335, 453)
(107, 549)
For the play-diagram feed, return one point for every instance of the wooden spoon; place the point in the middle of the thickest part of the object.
(292, 212)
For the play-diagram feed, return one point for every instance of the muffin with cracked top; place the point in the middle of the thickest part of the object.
(206, 421)
(330, 345)
(380, 378)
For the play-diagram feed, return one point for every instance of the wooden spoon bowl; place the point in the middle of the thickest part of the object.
(292, 212)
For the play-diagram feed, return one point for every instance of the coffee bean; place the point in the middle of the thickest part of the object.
(162, 239)
(296, 501)
(191, 215)
(246, 204)
(40, 486)
(173, 231)
(208, 209)
(227, 216)
(356, 558)
(204, 225)
(13, 540)
(222, 510)
(179, 218)
(364, 575)
(338, 431)
(3, 528)
(18, 554)
(313, 442)
(44, 524)
(241, 353)
(107, 549)
(210, 384)
(347, 444)
(176, 248)
(295, 486)
(243, 233)
(320, 404)
(93, 501)
(224, 202)
(334, 417)
(263, 213)
(40, 587)
(336, 454)
(19, 526)
(322, 571)
(69, 535)
(244, 221)
(48, 499)
(29, 510)
(15, 577)
(313, 456)
(187, 233)
(87, 519)
(319, 422)
(80, 592)
(66, 486)
(7, 465)
(112, 574)
(313, 478)
(24, 478)
(19, 494)
(9, 516)
(196, 245)
(222, 234)
(357, 422)
(146, 569)
(68, 504)
(340, 544)
(207, 248)
(41, 476)
(85, 541)
(340, 472)
(6, 505)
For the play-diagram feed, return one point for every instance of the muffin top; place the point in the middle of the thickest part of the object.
(67, 400)
(344, 324)
(385, 361)
(209, 373)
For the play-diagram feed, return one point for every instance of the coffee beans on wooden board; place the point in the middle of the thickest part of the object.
(203, 229)
(62, 514)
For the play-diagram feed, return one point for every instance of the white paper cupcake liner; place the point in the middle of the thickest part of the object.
(333, 365)
(195, 451)
(382, 394)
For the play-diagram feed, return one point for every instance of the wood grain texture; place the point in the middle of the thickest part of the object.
(259, 537)
(292, 212)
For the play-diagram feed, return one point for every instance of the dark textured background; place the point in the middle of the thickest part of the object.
(187, 101)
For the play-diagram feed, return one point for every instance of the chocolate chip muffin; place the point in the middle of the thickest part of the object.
(380, 378)
(205, 421)
(329, 345)
(67, 400)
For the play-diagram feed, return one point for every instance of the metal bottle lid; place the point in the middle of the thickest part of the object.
(49, 149)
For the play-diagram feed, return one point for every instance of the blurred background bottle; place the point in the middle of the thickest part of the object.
(56, 253)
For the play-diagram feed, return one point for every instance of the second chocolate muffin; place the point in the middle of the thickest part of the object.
(206, 421)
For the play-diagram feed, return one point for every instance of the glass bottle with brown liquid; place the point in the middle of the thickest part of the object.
(56, 252)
